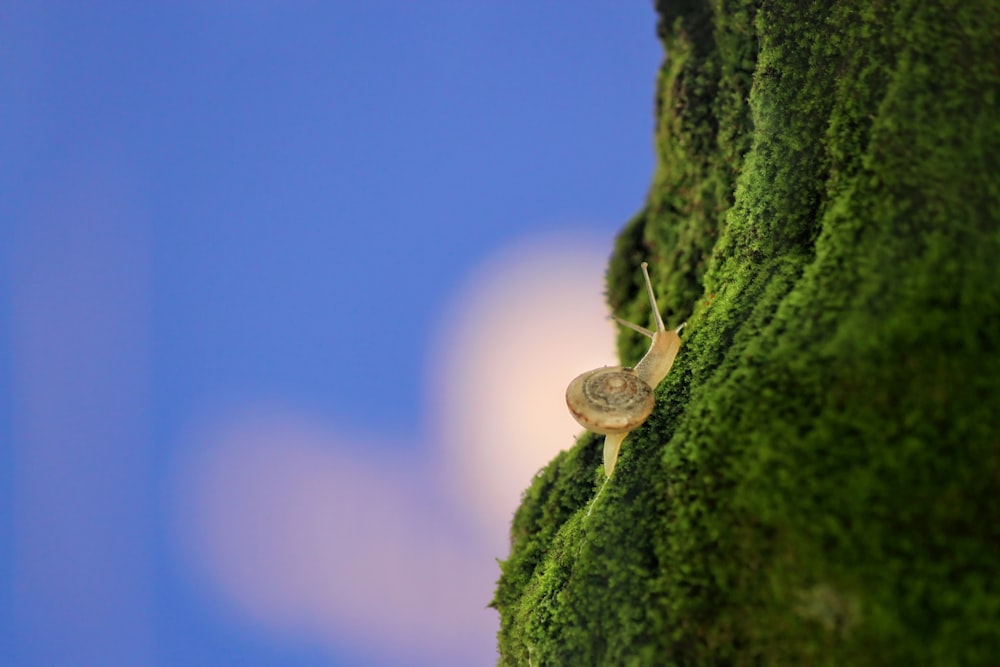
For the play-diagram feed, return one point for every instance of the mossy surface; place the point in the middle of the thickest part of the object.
(820, 481)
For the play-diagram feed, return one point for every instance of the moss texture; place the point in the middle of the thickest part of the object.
(820, 481)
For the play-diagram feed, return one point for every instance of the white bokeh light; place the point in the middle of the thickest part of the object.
(529, 321)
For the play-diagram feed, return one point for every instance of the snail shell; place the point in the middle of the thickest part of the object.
(614, 400)
(610, 400)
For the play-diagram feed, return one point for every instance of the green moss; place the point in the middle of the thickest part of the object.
(819, 483)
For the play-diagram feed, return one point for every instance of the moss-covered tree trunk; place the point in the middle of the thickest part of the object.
(820, 480)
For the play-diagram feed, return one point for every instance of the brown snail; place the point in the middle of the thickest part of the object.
(614, 400)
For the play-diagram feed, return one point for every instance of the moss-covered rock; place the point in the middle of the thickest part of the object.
(820, 481)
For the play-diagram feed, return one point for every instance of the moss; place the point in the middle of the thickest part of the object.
(819, 481)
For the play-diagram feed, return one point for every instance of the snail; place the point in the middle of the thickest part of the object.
(614, 400)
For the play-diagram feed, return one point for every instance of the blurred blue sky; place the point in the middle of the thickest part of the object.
(209, 203)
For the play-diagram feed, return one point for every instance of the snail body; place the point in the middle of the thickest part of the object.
(614, 400)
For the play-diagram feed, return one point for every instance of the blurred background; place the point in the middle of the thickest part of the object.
(290, 294)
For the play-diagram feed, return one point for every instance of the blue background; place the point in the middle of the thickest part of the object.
(282, 193)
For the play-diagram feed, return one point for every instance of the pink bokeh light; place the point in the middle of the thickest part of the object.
(323, 533)
(302, 531)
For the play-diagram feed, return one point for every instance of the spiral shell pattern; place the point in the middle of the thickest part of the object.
(609, 400)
